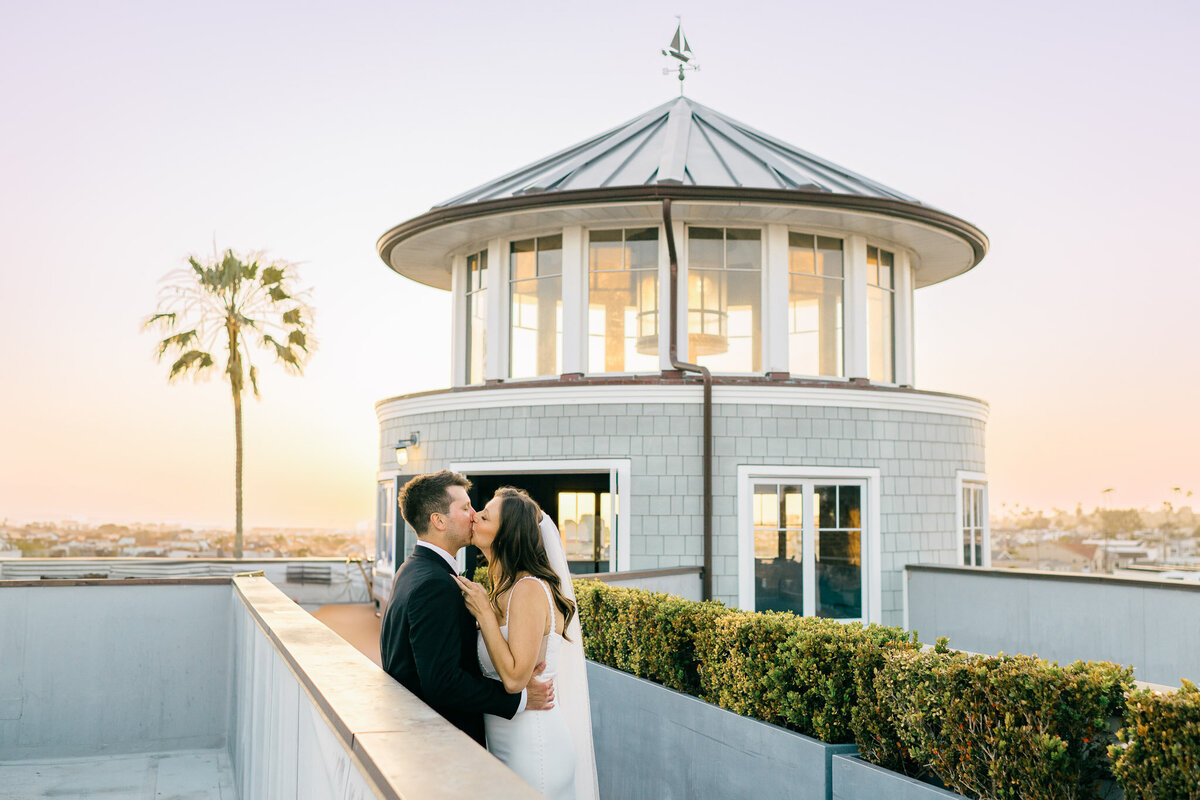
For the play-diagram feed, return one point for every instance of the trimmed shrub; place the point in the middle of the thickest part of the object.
(998, 728)
(648, 634)
(1159, 754)
(795, 672)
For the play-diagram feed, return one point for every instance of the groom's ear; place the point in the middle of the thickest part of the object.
(437, 522)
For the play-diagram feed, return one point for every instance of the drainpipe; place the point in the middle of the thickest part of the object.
(683, 366)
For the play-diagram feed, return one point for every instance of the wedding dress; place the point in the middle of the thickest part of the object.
(537, 745)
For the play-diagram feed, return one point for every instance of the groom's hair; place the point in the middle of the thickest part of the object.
(428, 494)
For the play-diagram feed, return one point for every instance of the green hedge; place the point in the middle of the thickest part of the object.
(997, 728)
(1158, 757)
(994, 727)
(645, 633)
(796, 672)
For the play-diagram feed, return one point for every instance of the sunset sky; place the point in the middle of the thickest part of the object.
(133, 134)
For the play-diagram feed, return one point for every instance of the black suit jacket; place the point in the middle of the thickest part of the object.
(427, 641)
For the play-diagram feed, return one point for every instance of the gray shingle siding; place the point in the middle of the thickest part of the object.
(917, 454)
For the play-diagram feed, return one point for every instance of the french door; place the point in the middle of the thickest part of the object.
(809, 542)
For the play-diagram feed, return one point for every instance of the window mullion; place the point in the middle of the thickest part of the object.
(808, 548)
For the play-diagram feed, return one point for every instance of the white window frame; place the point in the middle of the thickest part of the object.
(961, 478)
(619, 471)
(749, 474)
(392, 475)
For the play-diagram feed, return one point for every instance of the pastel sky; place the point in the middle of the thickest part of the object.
(133, 134)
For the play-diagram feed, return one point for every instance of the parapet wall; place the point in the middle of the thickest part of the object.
(127, 667)
(1064, 617)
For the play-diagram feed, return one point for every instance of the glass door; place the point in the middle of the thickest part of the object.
(809, 562)
(778, 547)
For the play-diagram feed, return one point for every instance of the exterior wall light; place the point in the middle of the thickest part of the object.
(403, 445)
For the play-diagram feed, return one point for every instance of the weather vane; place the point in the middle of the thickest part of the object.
(681, 52)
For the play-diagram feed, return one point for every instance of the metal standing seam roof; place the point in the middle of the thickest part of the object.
(680, 143)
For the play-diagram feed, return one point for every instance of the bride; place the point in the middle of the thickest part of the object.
(528, 618)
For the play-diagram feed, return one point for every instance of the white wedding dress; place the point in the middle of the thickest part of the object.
(537, 745)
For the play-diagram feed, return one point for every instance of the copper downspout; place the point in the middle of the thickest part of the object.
(683, 366)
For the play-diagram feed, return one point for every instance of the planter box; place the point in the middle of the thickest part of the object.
(655, 742)
(855, 779)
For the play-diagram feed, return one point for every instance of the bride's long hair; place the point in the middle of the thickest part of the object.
(518, 549)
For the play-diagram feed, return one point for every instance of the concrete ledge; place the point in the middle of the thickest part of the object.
(401, 744)
(1058, 577)
(51, 582)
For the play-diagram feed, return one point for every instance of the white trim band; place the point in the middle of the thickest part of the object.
(574, 395)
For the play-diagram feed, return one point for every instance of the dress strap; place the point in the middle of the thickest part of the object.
(549, 597)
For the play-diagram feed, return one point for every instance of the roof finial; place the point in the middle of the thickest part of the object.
(680, 51)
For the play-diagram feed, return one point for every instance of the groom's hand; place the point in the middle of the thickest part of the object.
(539, 694)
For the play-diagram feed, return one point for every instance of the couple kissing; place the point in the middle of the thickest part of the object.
(505, 666)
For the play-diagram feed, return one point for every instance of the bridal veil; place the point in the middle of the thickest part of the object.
(571, 685)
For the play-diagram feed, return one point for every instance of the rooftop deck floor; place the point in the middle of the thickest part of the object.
(357, 623)
(192, 774)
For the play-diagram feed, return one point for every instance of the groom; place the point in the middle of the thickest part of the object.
(427, 639)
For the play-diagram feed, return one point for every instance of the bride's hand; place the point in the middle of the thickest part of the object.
(475, 597)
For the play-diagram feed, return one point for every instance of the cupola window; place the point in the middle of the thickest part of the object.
(476, 315)
(535, 279)
(881, 315)
(622, 313)
(815, 291)
(725, 298)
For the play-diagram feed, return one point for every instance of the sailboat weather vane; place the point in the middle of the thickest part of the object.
(681, 52)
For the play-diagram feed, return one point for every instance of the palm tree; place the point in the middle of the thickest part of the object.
(222, 307)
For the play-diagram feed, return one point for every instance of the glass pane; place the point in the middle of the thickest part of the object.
(801, 258)
(743, 249)
(766, 506)
(978, 548)
(725, 320)
(641, 250)
(839, 574)
(880, 334)
(623, 301)
(814, 325)
(849, 507)
(706, 248)
(792, 509)
(778, 571)
(476, 335)
(829, 257)
(549, 255)
(604, 252)
(967, 547)
(825, 506)
(523, 263)
(536, 334)
(886, 266)
(605, 236)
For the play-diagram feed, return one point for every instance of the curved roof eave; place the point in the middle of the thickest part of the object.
(909, 211)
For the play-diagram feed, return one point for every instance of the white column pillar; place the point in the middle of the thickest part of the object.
(856, 355)
(904, 319)
(496, 365)
(458, 317)
(775, 300)
(574, 299)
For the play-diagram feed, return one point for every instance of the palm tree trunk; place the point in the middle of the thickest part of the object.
(237, 472)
